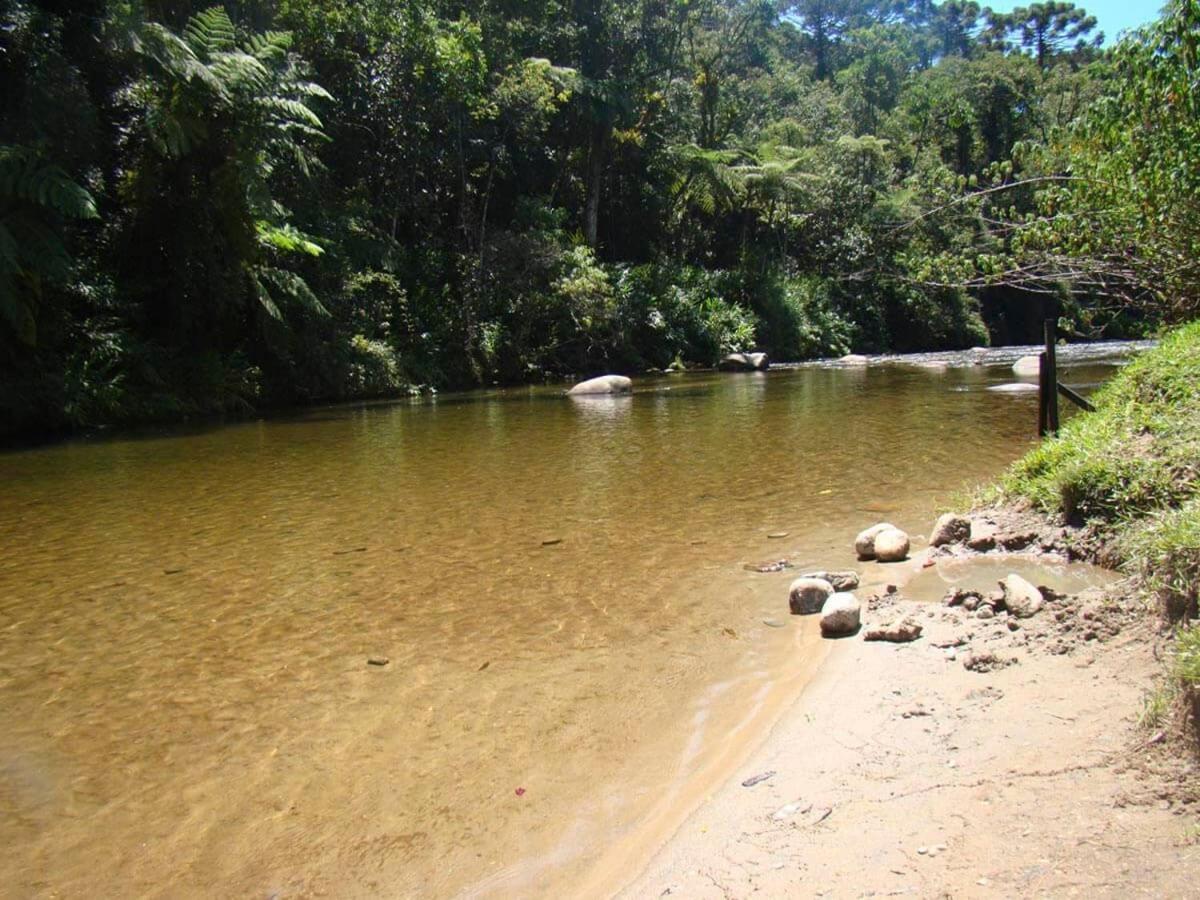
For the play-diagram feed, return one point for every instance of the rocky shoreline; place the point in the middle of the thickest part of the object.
(986, 745)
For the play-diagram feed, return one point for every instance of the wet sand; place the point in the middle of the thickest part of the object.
(898, 772)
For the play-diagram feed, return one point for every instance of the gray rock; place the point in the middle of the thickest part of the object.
(891, 545)
(854, 359)
(744, 362)
(1022, 598)
(950, 529)
(898, 632)
(807, 595)
(604, 384)
(1026, 366)
(864, 544)
(841, 614)
(841, 581)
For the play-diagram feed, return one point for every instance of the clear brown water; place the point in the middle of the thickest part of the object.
(185, 621)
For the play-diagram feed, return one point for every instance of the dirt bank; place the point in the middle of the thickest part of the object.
(992, 757)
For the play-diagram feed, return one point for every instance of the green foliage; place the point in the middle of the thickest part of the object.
(1134, 460)
(324, 198)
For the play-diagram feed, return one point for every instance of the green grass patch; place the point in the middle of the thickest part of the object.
(1138, 454)
(1131, 472)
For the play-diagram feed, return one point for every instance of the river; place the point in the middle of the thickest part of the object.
(575, 646)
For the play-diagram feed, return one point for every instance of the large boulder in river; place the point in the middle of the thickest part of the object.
(744, 362)
(1022, 598)
(854, 359)
(950, 529)
(841, 614)
(891, 545)
(604, 384)
(807, 595)
(1027, 366)
(864, 544)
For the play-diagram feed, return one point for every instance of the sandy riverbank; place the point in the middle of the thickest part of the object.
(898, 771)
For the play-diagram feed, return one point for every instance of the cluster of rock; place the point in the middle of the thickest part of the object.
(831, 595)
(884, 542)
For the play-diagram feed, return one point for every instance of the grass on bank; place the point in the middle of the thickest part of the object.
(1131, 472)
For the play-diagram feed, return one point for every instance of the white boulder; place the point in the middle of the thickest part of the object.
(841, 614)
(864, 544)
(891, 545)
(1022, 598)
(1027, 366)
(603, 384)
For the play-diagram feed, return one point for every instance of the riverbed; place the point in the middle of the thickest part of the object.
(561, 593)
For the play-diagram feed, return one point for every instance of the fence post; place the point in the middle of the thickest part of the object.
(1043, 383)
(1050, 385)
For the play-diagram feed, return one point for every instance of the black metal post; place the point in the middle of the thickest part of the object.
(1051, 383)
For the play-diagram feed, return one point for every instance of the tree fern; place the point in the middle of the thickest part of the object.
(33, 194)
(210, 32)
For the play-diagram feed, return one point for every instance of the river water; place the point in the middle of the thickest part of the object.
(574, 641)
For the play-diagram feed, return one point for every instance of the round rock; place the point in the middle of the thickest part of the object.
(950, 529)
(841, 614)
(1022, 598)
(808, 595)
(864, 544)
(891, 545)
(604, 384)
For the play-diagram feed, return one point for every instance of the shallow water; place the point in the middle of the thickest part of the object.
(560, 588)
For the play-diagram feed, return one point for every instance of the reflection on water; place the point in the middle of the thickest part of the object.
(185, 621)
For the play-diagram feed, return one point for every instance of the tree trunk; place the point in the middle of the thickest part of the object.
(597, 148)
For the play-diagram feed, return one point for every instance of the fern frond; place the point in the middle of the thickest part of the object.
(287, 238)
(176, 58)
(239, 71)
(269, 46)
(264, 297)
(293, 287)
(288, 109)
(209, 32)
(24, 177)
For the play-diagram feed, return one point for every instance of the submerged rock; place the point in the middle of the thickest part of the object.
(1017, 387)
(864, 544)
(891, 545)
(808, 595)
(603, 384)
(841, 581)
(841, 614)
(744, 362)
(950, 529)
(1022, 598)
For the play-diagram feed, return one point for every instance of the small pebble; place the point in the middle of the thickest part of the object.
(377, 661)
(772, 623)
(922, 850)
(778, 534)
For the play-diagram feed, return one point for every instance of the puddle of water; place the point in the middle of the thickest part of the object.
(982, 573)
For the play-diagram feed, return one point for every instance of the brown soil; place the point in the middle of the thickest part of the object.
(991, 757)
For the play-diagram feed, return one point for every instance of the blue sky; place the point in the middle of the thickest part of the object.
(1111, 15)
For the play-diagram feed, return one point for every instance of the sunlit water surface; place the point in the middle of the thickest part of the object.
(560, 587)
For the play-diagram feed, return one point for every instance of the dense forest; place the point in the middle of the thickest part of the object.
(210, 209)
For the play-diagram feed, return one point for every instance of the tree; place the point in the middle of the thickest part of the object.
(1045, 29)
